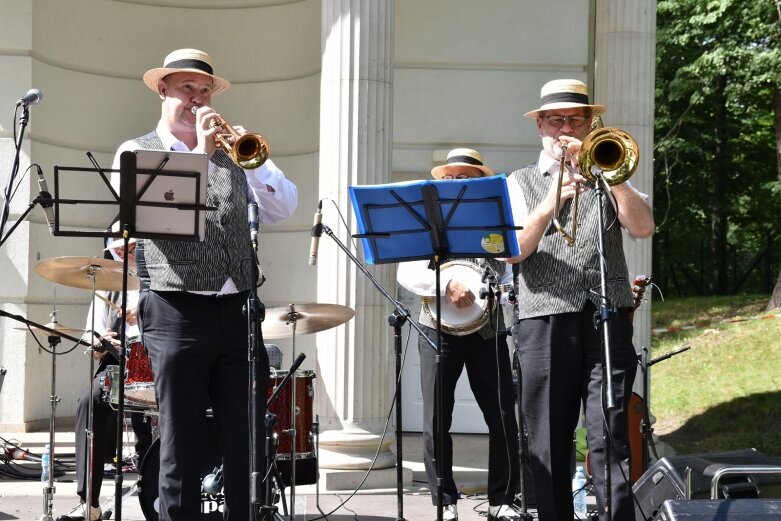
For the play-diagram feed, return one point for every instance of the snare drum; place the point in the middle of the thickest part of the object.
(139, 381)
(305, 392)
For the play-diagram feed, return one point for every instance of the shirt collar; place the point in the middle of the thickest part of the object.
(169, 140)
(547, 164)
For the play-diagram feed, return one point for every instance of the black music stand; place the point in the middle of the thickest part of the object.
(434, 220)
(134, 184)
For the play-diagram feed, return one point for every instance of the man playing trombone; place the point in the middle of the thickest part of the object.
(192, 293)
(558, 295)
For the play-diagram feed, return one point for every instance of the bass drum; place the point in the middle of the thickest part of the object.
(148, 480)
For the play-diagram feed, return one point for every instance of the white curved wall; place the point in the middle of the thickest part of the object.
(87, 57)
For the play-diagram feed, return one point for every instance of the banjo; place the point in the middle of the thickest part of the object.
(462, 321)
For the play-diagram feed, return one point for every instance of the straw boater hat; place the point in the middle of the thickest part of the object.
(461, 157)
(564, 94)
(186, 60)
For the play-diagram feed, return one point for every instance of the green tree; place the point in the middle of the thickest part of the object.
(717, 162)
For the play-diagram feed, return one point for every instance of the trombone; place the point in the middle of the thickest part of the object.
(248, 150)
(611, 151)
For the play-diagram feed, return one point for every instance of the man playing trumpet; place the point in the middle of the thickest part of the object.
(558, 294)
(192, 293)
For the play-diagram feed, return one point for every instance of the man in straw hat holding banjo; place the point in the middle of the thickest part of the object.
(558, 295)
(476, 347)
(192, 293)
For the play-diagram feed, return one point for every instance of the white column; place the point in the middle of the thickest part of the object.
(624, 56)
(355, 369)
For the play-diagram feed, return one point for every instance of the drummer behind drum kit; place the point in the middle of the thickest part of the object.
(293, 431)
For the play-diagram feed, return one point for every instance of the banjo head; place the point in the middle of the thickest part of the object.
(460, 321)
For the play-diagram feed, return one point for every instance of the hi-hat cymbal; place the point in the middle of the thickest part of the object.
(77, 272)
(308, 318)
(56, 326)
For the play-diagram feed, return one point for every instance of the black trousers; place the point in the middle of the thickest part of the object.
(198, 349)
(487, 363)
(561, 362)
(104, 436)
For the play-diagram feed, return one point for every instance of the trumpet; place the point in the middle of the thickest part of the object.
(608, 155)
(248, 150)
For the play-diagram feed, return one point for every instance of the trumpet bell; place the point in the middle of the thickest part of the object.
(249, 151)
(613, 151)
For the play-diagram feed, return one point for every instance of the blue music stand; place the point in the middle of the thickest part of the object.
(434, 220)
(421, 219)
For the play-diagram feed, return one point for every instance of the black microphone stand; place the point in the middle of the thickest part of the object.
(602, 319)
(646, 429)
(38, 200)
(396, 319)
(255, 311)
(23, 120)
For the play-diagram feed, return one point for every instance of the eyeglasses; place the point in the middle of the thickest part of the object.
(574, 121)
(457, 176)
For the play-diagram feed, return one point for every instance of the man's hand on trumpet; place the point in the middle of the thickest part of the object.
(205, 130)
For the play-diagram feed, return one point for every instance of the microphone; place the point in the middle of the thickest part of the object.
(20, 454)
(33, 97)
(252, 218)
(46, 200)
(297, 363)
(317, 231)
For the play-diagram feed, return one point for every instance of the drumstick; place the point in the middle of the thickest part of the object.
(107, 301)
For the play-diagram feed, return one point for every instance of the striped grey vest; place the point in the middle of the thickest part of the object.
(489, 329)
(165, 265)
(558, 278)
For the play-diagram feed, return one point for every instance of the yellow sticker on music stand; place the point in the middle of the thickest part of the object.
(492, 243)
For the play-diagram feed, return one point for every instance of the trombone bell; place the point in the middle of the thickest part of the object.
(610, 150)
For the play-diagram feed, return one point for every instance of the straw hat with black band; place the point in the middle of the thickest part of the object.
(459, 157)
(564, 94)
(186, 60)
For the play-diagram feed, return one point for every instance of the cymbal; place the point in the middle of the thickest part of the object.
(76, 272)
(308, 318)
(59, 328)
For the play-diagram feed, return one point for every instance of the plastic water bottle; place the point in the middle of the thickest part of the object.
(45, 458)
(579, 493)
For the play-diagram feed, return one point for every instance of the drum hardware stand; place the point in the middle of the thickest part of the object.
(269, 510)
(88, 431)
(316, 430)
(292, 318)
(54, 339)
(49, 489)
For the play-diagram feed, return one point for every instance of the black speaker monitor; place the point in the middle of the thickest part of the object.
(666, 480)
(721, 510)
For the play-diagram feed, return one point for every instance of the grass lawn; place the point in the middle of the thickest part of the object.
(724, 393)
